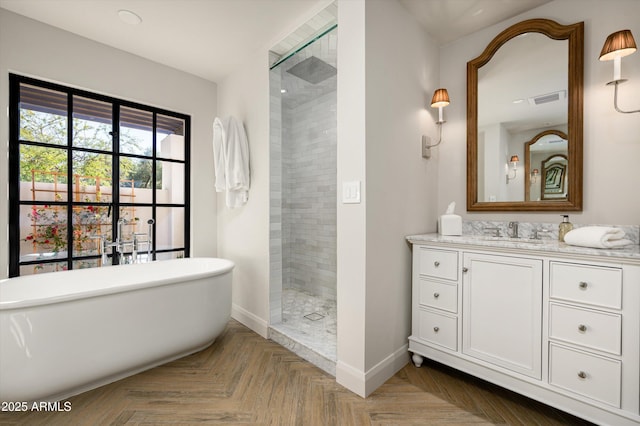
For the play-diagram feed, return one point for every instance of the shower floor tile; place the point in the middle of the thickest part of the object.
(309, 320)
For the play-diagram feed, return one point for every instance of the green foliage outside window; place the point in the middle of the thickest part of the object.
(48, 128)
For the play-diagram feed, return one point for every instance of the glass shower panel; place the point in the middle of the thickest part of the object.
(303, 166)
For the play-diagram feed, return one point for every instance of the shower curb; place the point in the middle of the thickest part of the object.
(323, 362)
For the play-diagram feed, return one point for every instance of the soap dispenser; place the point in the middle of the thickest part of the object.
(565, 226)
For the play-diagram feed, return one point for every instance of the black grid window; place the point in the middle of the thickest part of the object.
(87, 171)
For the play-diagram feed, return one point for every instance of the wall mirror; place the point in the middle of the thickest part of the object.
(524, 99)
(546, 148)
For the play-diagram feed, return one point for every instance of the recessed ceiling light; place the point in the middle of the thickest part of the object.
(283, 90)
(129, 17)
(518, 101)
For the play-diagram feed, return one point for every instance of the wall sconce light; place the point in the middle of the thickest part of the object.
(514, 165)
(534, 176)
(616, 46)
(439, 100)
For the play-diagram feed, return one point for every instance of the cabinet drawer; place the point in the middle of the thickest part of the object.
(439, 295)
(439, 329)
(439, 263)
(595, 285)
(598, 330)
(588, 375)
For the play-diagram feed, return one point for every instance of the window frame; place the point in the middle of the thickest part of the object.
(15, 142)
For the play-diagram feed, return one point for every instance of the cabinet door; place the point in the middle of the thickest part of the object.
(502, 311)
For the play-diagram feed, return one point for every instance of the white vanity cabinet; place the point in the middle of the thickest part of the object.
(585, 330)
(502, 311)
(556, 327)
(435, 295)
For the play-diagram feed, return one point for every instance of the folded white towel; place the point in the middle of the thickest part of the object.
(597, 237)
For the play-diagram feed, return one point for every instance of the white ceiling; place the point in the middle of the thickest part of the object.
(211, 38)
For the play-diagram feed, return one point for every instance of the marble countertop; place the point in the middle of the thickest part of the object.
(631, 252)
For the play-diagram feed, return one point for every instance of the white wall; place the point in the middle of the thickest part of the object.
(401, 199)
(381, 118)
(243, 233)
(611, 139)
(34, 49)
(351, 218)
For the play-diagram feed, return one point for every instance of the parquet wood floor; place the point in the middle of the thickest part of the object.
(243, 379)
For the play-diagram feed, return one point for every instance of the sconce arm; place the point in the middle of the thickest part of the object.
(615, 96)
(439, 123)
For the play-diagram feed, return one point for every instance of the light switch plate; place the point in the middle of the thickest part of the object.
(351, 192)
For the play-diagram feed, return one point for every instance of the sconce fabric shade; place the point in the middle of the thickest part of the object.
(535, 172)
(440, 98)
(514, 159)
(617, 45)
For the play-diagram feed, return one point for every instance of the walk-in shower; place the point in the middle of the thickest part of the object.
(303, 88)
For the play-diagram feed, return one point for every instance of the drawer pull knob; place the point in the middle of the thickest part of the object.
(436, 329)
(582, 375)
(583, 285)
(465, 269)
(436, 295)
(436, 263)
(582, 328)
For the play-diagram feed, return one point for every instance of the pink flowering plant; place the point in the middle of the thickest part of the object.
(49, 226)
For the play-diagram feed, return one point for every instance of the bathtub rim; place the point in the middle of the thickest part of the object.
(224, 266)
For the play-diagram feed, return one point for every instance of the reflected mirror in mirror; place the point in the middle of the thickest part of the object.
(524, 97)
(554, 178)
(539, 152)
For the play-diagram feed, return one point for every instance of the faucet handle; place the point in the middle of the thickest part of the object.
(494, 229)
(537, 231)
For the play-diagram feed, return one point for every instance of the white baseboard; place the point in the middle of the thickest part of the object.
(385, 369)
(250, 320)
(351, 378)
(364, 383)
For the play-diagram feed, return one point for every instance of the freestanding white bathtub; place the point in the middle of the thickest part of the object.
(64, 333)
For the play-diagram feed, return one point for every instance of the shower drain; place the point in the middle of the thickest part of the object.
(314, 316)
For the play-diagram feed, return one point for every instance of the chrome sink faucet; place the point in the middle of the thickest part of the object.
(513, 230)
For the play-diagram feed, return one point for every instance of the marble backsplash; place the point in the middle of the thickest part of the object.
(526, 229)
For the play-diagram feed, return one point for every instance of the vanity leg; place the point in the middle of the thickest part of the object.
(417, 360)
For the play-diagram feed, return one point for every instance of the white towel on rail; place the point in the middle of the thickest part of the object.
(231, 160)
(597, 237)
